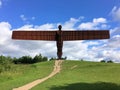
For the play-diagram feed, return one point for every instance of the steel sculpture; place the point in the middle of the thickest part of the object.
(59, 36)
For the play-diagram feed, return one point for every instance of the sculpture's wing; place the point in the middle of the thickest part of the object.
(86, 35)
(34, 35)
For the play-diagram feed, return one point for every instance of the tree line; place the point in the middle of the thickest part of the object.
(6, 62)
(23, 59)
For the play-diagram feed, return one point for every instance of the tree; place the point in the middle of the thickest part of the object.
(53, 58)
(23, 60)
(103, 61)
(110, 61)
(5, 63)
(37, 58)
(45, 59)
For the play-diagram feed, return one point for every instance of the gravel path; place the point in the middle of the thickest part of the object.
(57, 68)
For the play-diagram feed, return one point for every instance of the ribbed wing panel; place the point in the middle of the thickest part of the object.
(34, 35)
(85, 35)
(66, 35)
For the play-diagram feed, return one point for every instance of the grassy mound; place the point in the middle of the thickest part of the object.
(19, 75)
(80, 75)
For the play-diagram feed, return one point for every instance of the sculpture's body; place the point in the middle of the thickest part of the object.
(60, 36)
(59, 42)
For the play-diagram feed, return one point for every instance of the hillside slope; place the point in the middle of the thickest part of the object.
(28, 86)
(80, 75)
(22, 74)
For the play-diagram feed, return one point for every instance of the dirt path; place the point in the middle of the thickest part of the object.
(56, 70)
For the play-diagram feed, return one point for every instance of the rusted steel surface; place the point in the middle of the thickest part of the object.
(85, 35)
(60, 36)
(66, 35)
(34, 35)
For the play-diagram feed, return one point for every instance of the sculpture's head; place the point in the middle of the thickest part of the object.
(60, 27)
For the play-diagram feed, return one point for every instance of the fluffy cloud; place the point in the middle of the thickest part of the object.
(25, 19)
(115, 31)
(97, 23)
(89, 50)
(114, 42)
(46, 27)
(4, 32)
(71, 23)
(19, 48)
(116, 13)
(0, 3)
(5, 35)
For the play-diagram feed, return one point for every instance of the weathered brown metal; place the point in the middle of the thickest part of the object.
(85, 35)
(34, 35)
(60, 36)
(59, 41)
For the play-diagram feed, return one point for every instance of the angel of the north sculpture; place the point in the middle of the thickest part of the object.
(59, 36)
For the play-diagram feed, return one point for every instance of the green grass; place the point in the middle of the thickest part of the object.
(80, 75)
(75, 75)
(19, 75)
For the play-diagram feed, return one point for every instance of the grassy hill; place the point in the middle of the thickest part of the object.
(75, 75)
(22, 74)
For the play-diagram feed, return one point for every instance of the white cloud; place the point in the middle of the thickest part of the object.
(71, 23)
(33, 18)
(116, 13)
(26, 27)
(115, 31)
(112, 55)
(47, 26)
(89, 50)
(5, 37)
(99, 20)
(114, 42)
(0, 3)
(11, 47)
(97, 23)
(23, 17)
(4, 32)
(87, 25)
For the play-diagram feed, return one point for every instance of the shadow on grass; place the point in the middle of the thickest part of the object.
(88, 86)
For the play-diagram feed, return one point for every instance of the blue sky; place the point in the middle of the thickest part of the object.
(53, 11)
(73, 15)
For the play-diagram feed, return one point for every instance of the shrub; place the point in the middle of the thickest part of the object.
(110, 61)
(30, 60)
(52, 59)
(39, 58)
(5, 63)
(103, 61)
(23, 60)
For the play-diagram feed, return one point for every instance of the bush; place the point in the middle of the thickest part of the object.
(39, 58)
(52, 59)
(23, 60)
(30, 60)
(5, 63)
(45, 59)
(110, 61)
(103, 61)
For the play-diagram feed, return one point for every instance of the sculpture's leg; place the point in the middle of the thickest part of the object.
(59, 49)
(59, 53)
